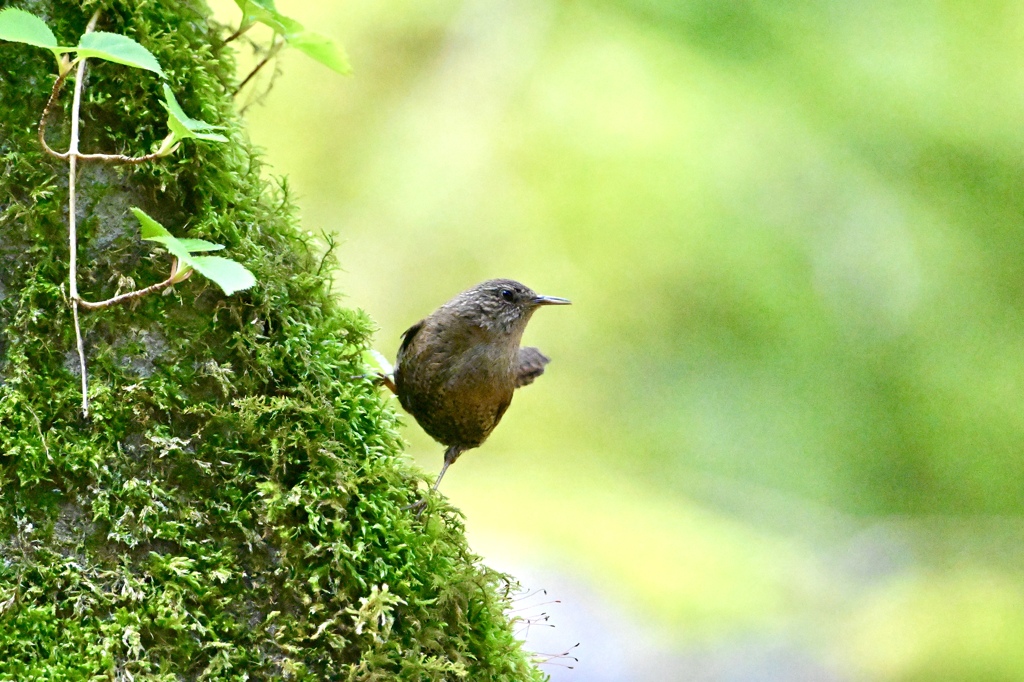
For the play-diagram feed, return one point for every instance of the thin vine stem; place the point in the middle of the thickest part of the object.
(242, 28)
(76, 108)
(73, 156)
(73, 231)
(58, 85)
(171, 280)
(271, 53)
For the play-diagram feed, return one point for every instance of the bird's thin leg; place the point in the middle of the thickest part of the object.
(444, 468)
(388, 382)
(450, 455)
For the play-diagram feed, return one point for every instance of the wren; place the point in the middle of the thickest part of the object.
(458, 368)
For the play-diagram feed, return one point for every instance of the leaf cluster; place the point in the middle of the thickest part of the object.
(17, 25)
(313, 44)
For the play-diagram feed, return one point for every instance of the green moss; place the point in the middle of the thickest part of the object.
(232, 509)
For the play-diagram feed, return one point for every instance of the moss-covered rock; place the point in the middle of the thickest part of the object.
(232, 507)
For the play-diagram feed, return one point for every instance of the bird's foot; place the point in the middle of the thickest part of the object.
(419, 505)
(379, 379)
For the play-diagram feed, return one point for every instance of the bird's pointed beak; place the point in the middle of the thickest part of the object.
(551, 300)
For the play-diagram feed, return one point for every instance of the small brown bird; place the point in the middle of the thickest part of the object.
(457, 369)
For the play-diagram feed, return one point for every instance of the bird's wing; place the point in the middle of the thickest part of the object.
(500, 412)
(531, 365)
(408, 335)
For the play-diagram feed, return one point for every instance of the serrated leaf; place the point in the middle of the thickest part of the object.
(155, 232)
(184, 126)
(322, 49)
(210, 137)
(117, 48)
(289, 26)
(313, 44)
(19, 26)
(248, 6)
(262, 11)
(199, 245)
(230, 275)
(186, 246)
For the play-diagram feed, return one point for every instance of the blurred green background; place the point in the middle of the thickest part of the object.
(781, 437)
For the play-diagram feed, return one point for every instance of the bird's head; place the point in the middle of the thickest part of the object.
(502, 305)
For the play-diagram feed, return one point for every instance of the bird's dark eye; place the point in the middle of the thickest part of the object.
(508, 295)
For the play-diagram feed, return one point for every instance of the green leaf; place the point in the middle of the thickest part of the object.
(229, 275)
(119, 49)
(20, 26)
(155, 232)
(185, 127)
(322, 49)
(262, 11)
(315, 45)
(185, 246)
(264, 4)
(199, 245)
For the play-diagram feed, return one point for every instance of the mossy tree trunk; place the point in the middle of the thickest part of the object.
(232, 506)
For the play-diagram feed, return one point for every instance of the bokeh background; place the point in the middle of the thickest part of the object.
(781, 437)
